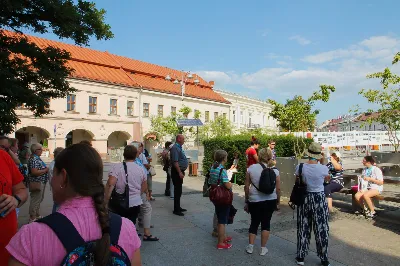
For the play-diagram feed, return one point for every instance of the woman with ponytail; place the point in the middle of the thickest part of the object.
(78, 189)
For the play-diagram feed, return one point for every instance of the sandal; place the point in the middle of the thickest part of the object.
(150, 238)
(152, 199)
(228, 239)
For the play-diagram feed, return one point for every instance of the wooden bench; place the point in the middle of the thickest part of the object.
(386, 196)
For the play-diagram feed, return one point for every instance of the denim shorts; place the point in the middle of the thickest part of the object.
(222, 213)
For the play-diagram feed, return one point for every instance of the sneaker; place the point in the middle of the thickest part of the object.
(370, 215)
(249, 249)
(224, 246)
(358, 213)
(171, 198)
(183, 210)
(264, 251)
(179, 213)
(300, 261)
(325, 263)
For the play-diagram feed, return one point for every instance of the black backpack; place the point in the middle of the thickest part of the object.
(267, 182)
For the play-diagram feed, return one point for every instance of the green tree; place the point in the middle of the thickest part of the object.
(297, 114)
(388, 100)
(31, 75)
(197, 114)
(220, 127)
(185, 111)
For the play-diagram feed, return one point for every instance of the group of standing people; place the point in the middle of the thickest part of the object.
(76, 181)
(312, 214)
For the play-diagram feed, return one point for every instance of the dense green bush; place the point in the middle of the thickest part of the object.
(286, 146)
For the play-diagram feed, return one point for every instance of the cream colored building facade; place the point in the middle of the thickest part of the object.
(104, 127)
(249, 113)
(116, 97)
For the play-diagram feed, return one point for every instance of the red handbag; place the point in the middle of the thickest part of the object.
(219, 194)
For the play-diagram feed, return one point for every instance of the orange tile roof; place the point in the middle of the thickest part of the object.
(101, 66)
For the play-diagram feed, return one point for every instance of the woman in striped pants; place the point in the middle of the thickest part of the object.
(314, 212)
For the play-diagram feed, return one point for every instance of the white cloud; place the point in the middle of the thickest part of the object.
(377, 47)
(218, 76)
(345, 68)
(282, 63)
(300, 40)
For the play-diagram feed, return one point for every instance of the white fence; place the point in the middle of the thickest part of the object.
(350, 138)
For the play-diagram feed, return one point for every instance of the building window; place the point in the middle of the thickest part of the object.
(160, 110)
(146, 109)
(129, 108)
(207, 116)
(374, 128)
(241, 117)
(224, 115)
(71, 100)
(113, 107)
(173, 110)
(92, 104)
(215, 115)
(234, 116)
(250, 114)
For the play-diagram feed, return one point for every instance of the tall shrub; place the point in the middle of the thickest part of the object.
(285, 147)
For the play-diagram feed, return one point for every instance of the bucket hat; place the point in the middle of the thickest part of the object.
(314, 150)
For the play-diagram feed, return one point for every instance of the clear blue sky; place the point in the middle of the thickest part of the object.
(263, 49)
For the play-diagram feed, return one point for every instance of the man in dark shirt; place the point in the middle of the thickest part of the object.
(179, 164)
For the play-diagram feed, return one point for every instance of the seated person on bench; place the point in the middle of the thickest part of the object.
(373, 175)
(336, 182)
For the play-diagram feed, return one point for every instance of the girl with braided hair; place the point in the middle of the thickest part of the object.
(78, 189)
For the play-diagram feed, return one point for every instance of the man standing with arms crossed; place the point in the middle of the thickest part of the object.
(179, 165)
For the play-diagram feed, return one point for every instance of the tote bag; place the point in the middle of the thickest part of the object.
(120, 202)
(299, 190)
(219, 194)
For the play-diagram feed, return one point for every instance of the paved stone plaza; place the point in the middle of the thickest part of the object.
(188, 241)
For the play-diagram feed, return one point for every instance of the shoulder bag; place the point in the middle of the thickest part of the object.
(299, 190)
(219, 194)
(119, 203)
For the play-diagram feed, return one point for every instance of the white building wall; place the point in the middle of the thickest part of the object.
(102, 128)
(168, 101)
(247, 112)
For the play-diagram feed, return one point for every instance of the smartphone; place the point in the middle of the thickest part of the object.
(3, 213)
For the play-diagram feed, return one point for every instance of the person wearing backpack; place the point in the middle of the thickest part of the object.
(82, 231)
(262, 187)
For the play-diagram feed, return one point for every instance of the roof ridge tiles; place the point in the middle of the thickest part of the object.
(106, 67)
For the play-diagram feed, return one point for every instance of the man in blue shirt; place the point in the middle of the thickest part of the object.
(179, 164)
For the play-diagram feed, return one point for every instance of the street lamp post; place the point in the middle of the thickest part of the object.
(186, 76)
